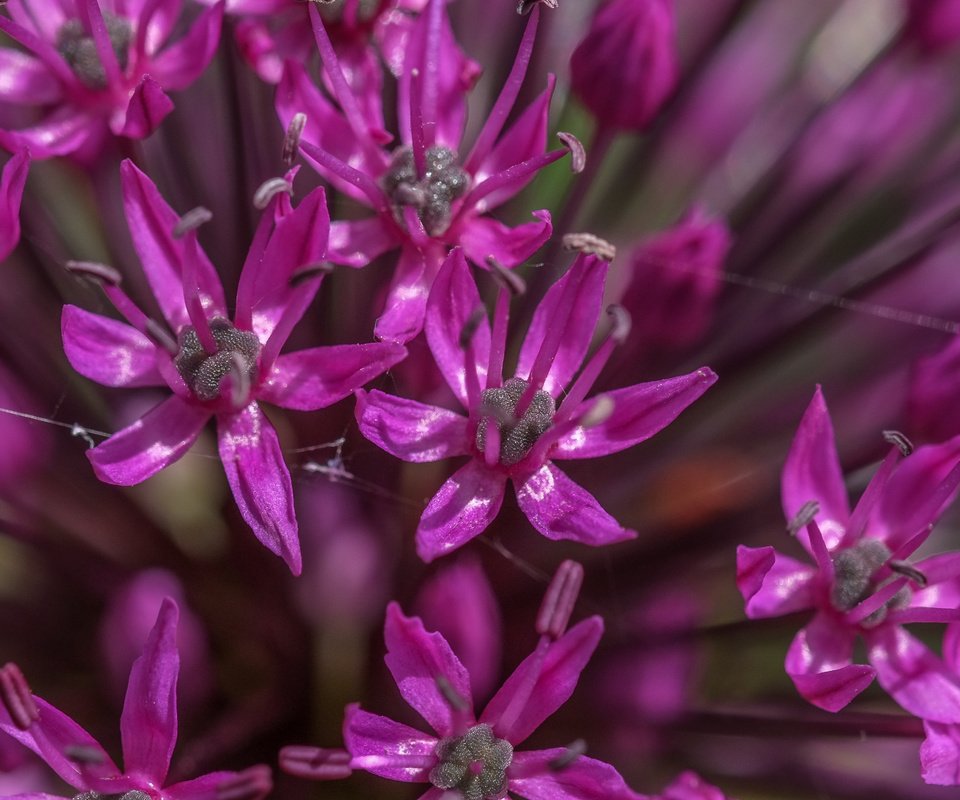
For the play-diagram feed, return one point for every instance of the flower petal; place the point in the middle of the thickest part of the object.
(12, 181)
(639, 412)
(379, 745)
(151, 223)
(148, 725)
(532, 777)
(410, 430)
(182, 63)
(940, 754)
(453, 303)
(418, 662)
(357, 242)
(485, 237)
(319, 377)
(206, 787)
(151, 443)
(689, 786)
(917, 679)
(554, 673)
(26, 80)
(109, 352)
(461, 509)
(589, 275)
(402, 317)
(260, 481)
(773, 584)
(146, 109)
(812, 472)
(562, 509)
(65, 131)
(818, 663)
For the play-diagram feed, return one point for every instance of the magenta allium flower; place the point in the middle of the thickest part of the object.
(935, 24)
(98, 70)
(940, 751)
(148, 733)
(216, 367)
(675, 281)
(12, 181)
(626, 66)
(428, 195)
(861, 584)
(513, 429)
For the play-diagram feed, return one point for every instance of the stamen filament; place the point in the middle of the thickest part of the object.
(820, 551)
(45, 51)
(90, 12)
(875, 602)
(498, 338)
(315, 763)
(873, 492)
(17, 698)
(300, 300)
(191, 292)
(924, 614)
(521, 697)
(417, 124)
(378, 200)
(516, 172)
(491, 443)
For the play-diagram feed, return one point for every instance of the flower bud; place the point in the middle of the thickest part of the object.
(626, 66)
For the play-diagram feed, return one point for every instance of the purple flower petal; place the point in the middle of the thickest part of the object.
(453, 302)
(151, 223)
(485, 237)
(418, 661)
(206, 787)
(773, 584)
(554, 673)
(461, 509)
(148, 725)
(577, 325)
(149, 444)
(639, 412)
(106, 351)
(940, 754)
(402, 318)
(812, 472)
(148, 106)
(387, 748)
(260, 481)
(411, 430)
(319, 377)
(918, 680)
(55, 734)
(561, 509)
(182, 63)
(27, 81)
(356, 242)
(689, 786)
(63, 132)
(12, 181)
(532, 777)
(818, 663)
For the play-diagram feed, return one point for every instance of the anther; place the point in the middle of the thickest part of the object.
(291, 142)
(99, 273)
(83, 754)
(253, 783)
(589, 244)
(898, 440)
(451, 695)
(908, 571)
(470, 326)
(599, 412)
(240, 382)
(509, 280)
(309, 271)
(159, 334)
(270, 189)
(803, 517)
(526, 6)
(315, 763)
(16, 697)
(558, 602)
(620, 323)
(192, 220)
(574, 750)
(578, 156)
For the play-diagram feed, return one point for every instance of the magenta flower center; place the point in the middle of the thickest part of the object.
(430, 194)
(518, 432)
(204, 372)
(80, 51)
(474, 764)
(855, 579)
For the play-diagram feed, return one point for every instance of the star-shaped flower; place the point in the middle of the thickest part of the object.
(216, 367)
(148, 733)
(515, 429)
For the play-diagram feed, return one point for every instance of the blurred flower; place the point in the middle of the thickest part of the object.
(935, 24)
(12, 181)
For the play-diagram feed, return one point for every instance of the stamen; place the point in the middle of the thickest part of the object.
(239, 381)
(908, 571)
(525, 6)
(83, 754)
(270, 189)
(620, 323)
(99, 273)
(803, 517)
(308, 272)
(558, 602)
(470, 326)
(578, 155)
(898, 440)
(190, 221)
(506, 278)
(291, 142)
(574, 750)
(589, 244)
(191, 278)
(315, 763)
(253, 783)
(17, 698)
(451, 695)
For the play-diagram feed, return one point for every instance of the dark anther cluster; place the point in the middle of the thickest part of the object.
(854, 570)
(517, 435)
(474, 764)
(443, 182)
(203, 371)
(80, 51)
